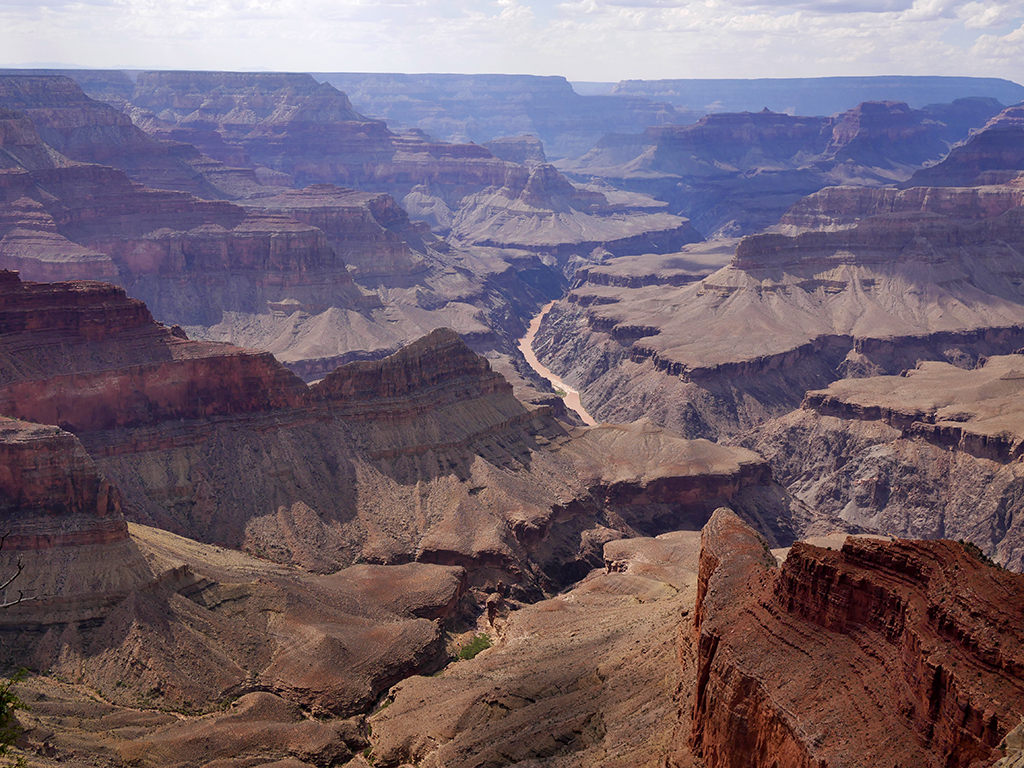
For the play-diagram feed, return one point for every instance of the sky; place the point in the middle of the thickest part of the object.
(583, 40)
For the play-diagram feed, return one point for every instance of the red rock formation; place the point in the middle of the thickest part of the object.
(911, 650)
(86, 357)
(51, 494)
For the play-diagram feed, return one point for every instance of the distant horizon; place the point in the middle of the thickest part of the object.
(581, 40)
(129, 69)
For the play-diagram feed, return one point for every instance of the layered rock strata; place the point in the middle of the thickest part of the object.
(934, 453)
(792, 313)
(735, 174)
(382, 461)
(90, 131)
(485, 108)
(907, 649)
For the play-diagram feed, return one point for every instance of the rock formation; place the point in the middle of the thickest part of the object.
(930, 454)
(817, 95)
(482, 108)
(910, 650)
(993, 154)
(539, 210)
(90, 131)
(929, 276)
(609, 701)
(382, 461)
(736, 174)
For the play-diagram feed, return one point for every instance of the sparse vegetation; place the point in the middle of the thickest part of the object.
(479, 642)
(10, 730)
(974, 551)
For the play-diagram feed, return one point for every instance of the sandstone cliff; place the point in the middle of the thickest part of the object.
(907, 649)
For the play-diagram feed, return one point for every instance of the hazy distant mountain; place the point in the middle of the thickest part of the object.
(815, 95)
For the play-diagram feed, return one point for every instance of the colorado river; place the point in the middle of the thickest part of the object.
(572, 396)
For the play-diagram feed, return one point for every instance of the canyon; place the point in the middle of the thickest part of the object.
(275, 465)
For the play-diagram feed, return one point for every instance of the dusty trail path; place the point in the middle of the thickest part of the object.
(572, 397)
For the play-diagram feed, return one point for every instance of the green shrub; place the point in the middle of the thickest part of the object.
(474, 646)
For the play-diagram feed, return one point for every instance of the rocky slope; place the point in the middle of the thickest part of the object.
(382, 461)
(791, 313)
(932, 454)
(90, 131)
(905, 649)
(611, 700)
(482, 108)
(736, 174)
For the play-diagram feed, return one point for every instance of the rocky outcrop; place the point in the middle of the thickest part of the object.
(735, 174)
(525, 150)
(790, 311)
(916, 643)
(539, 210)
(86, 357)
(930, 454)
(993, 154)
(51, 493)
(484, 108)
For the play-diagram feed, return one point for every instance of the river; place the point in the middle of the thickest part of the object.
(572, 396)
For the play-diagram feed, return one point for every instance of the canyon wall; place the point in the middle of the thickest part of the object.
(931, 454)
(905, 649)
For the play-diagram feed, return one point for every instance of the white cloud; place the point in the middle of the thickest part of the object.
(582, 39)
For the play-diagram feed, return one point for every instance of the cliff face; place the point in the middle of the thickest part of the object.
(51, 493)
(90, 131)
(789, 311)
(907, 649)
(735, 174)
(482, 108)
(86, 357)
(930, 454)
(990, 155)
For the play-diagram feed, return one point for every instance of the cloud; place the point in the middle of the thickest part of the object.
(582, 39)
